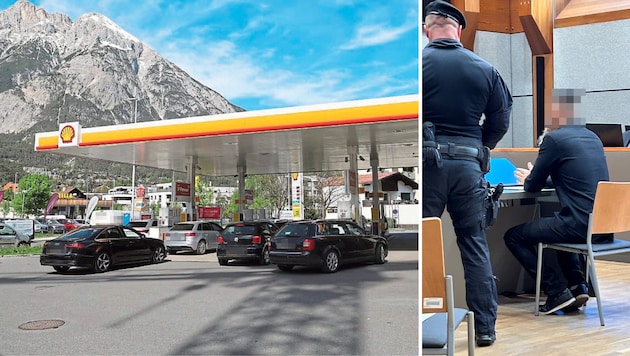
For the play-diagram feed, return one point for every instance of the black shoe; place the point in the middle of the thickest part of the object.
(557, 302)
(485, 339)
(580, 293)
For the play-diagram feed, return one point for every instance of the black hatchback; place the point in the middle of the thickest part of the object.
(325, 244)
(245, 240)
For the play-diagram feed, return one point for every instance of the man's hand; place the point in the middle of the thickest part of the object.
(522, 173)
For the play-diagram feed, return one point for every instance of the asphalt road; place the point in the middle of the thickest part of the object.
(191, 305)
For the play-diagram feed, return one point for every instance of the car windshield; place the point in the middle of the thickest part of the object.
(182, 227)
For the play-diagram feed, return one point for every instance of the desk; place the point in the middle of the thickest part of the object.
(519, 194)
(516, 207)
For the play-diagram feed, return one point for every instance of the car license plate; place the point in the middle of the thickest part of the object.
(57, 249)
(236, 250)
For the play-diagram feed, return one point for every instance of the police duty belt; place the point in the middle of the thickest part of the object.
(454, 151)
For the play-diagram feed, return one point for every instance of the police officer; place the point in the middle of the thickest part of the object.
(458, 88)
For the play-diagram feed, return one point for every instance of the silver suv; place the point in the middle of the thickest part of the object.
(197, 236)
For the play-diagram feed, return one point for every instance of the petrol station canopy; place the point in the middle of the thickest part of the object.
(377, 132)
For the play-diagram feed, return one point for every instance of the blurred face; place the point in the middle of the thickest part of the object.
(560, 112)
(564, 113)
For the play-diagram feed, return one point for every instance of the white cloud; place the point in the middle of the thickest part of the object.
(379, 33)
(241, 76)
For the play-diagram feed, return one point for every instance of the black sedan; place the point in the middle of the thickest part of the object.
(245, 240)
(325, 244)
(100, 248)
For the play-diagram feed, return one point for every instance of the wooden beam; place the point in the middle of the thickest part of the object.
(537, 19)
(583, 12)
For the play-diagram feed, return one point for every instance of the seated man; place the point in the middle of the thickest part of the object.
(570, 158)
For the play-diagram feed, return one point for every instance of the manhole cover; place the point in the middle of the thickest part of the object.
(41, 324)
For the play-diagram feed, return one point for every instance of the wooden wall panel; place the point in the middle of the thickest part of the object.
(499, 16)
(516, 26)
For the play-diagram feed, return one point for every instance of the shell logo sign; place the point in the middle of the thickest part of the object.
(69, 133)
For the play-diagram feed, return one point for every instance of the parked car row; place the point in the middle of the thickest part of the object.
(322, 244)
(57, 226)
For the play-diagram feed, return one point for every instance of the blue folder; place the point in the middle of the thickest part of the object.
(501, 171)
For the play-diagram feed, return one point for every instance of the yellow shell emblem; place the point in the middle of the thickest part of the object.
(67, 134)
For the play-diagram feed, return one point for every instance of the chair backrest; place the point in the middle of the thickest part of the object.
(611, 210)
(433, 282)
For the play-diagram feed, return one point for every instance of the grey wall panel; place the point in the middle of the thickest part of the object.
(495, 48)
(611, 107)
(521, 129)
(521, 56)
(590, 57)
(594, 57)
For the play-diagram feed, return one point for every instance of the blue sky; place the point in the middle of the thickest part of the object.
(263, 54)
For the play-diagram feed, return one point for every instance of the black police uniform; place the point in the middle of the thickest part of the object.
(572, 160)
(458, 88)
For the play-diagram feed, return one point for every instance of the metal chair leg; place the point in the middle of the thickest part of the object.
(538, 277)
(471, 333)
(595, 283)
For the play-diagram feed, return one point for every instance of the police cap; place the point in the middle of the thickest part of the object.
(445, 9)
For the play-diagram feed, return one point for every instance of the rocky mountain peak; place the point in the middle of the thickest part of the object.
(54, 70)
(24, 17)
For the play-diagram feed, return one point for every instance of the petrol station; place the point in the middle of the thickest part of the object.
(345, 136)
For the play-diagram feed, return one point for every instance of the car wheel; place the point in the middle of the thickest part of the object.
(23, 244)
(201, 247)
(159, 255)
(285, 267)
(102, 262)
(264, 257)
(172, 252)
(331, 262)
(223, 261)
(380, 254)
(61, 269)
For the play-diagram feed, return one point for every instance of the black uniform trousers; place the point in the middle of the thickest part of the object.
(460, 187)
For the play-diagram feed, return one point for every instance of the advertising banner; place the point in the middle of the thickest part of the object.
(209, 212)
(91, 206)
(51, 203)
